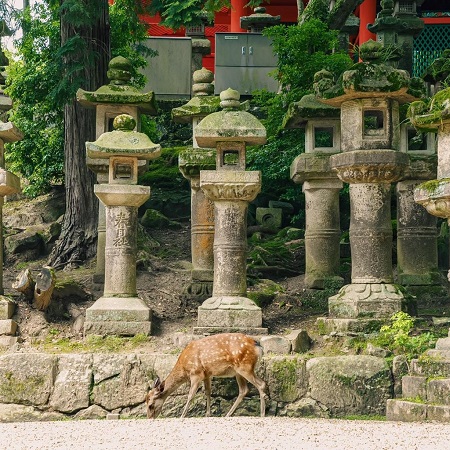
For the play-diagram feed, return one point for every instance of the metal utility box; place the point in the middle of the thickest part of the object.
(243, 61)
(169, 74)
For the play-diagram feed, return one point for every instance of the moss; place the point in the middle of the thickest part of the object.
(16, 389)
(431, 365)
(433, 185)
(264, 292)
(285, 373)
(94, 344)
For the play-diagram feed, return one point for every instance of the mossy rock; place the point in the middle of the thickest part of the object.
(264, 292)
(154, 219)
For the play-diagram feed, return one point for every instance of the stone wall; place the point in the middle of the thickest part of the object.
(37, 386)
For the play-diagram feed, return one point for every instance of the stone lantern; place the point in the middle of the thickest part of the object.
(434, 195)
(9, 184)
(231, 188)
(190, 162)
(201, 46)
(260, 19)
(5, 101)
(429, 376)
(120, 311)
(370, 161)
(321, 187)
(110, 100)
(410, 27)
(417, 253)
(386, 25)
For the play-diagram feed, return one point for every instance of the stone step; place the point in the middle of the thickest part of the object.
(443, 344)
(8, 327)
(8, 341)
(6, 308)
(407, 411)
(427, 390)
(434, 364)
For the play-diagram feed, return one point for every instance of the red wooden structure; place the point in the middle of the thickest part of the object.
(228, 20)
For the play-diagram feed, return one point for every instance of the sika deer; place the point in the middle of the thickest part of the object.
(220, 355)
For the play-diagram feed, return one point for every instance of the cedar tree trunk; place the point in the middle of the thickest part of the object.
(78, 237)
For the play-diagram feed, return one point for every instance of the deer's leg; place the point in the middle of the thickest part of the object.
(195, 383)
(243, 389)
(261, 386)
(207, 383)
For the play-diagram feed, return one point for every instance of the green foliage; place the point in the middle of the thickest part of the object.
(127, 33)
(41, 81)
(176, 14)
(37, 109)
(302, 51)
(398, 338)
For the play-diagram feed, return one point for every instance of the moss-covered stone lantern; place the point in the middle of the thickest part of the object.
(428, 376)
(434, 116)
(120, 311)
(231, 188)
(321, 187)
(417, 233)
(369, 97)
(5, 101)
(260, 19)
(9, 184)
(190, 162)
(116, 97)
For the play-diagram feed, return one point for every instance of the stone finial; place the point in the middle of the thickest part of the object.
(230, 124)
(119, 70)
(124, 122)
(203, 80)
(119, 91)
(229, 99)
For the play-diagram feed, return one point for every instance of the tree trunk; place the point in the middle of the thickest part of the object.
(300, 8)
(319, 9)
(77, 241)
(340, 13)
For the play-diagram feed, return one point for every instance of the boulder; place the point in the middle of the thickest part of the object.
(119, 381)
(286, 378)
(27, 378)
(72, 384)
(350, 384)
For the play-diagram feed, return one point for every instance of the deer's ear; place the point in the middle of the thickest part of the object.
(161, 387)
(156, 383)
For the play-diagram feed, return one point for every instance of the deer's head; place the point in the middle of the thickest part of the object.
(155, 399)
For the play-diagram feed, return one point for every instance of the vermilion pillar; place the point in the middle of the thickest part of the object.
(367, 14)
(237, 11)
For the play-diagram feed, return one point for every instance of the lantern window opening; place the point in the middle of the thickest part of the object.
(374, 123)
(417, 143)
(231, 156)
(123, 170)
(406, 7)
(324, 138)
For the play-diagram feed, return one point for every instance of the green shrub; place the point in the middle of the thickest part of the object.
(398, 338)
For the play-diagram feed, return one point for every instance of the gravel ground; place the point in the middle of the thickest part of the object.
(243, 433)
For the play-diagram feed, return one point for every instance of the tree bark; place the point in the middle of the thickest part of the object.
(339, 14)
(77, 240)
(25, 284)
(319, 9)
(43, 289)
